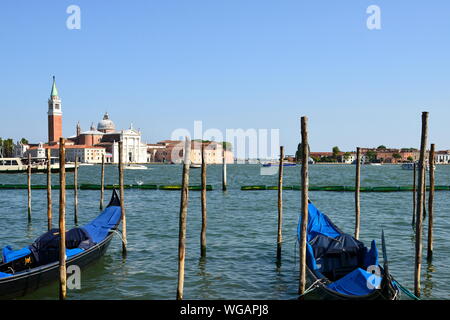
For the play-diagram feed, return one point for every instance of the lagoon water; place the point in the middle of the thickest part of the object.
(241, 234)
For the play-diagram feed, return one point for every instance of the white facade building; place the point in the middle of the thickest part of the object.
(442, 157)
(134, 151)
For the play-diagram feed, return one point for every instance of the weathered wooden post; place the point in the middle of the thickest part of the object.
(29, 186)
(280, 205)
(304, 204)
(224, 168)
(102, 183)
(430, 206)
(357, 192)
(203, 199)
(62, 220)
(122, 203)
(420, 206)
(75, 191)
(49, 189)
(414, 195)
(182, 220)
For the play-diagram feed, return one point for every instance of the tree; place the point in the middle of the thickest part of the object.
(336, 152)
(227, 145)
(347, 156)
(410, 159)
(23, 141)
(382, 147)
(371, 155)
(7, 147)
(298, 153)
(397, 156)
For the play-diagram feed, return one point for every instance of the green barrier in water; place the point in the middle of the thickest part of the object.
(385, 189)
(146, 186)
(178, 187)
(276, 188)
(246, 188)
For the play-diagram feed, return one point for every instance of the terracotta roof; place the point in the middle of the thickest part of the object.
(67, 147)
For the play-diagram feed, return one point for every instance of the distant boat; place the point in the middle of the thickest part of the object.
(285, 164)
(195, 165)
(410, 166)
(17, 165)
(375, 164)
(135, 167)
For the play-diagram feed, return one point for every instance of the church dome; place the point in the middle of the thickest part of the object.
(106, 125)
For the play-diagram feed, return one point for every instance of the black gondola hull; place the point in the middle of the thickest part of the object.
(27, 282)
(321, 292)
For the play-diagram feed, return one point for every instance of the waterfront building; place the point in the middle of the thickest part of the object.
(172, 151)
(442, 157)
(89, 146)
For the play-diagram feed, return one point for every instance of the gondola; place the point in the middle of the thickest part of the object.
(25, 270)
(340, 267)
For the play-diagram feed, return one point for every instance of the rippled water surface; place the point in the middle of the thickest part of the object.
(241, 235)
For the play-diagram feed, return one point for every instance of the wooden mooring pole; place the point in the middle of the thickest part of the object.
(62, 220)
(430, 205)
(224, 169)
(102, 183)
(183, 218)
(357, 192)
(420, 205)
(122, 202)
(280, 206)
(304, 204)
(29, 186)
(75, 192)
(414, 195)
(49, 190)
(203, 200)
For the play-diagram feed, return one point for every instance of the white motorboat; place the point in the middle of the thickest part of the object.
(132, 166)
(17, 165)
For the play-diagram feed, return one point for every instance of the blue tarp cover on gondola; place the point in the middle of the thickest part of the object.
(334, 254)
(9, 254)
(318, 223)
(357, 283)
(98, 228)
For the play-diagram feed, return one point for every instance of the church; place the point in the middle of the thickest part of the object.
(90, 146)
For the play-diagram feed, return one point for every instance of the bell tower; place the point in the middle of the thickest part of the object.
(54, 116)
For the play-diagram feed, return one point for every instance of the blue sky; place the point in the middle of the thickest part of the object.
(161, 64)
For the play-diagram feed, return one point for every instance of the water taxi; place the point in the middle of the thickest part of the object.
(18, 165)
